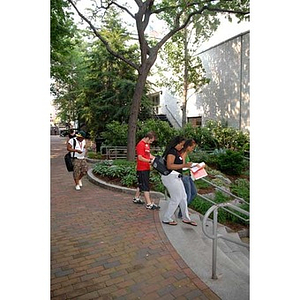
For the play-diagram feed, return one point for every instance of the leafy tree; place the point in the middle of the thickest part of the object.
(187, 71)
(68, 88)
(180, 13)
(109, 83)
(115, 134)
(66, 49)
(96, 88)
(62, 43)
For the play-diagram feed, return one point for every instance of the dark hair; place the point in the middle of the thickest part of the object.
(188, 143)
(175, 141)
(150, 135)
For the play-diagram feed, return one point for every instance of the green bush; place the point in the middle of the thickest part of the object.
(200, 184)
(94, 155)
(129, 179)
(126, 170)
(205, 139)
(224, 216)
(230, 162)
(213, 135)
(227, 137)
(198, 156)
(188, 131)
(162, 130)
(202, 206)
(155, 181)
(124, 162)
(202, 135)
(115, 134)
(241, 188)
(108, 168)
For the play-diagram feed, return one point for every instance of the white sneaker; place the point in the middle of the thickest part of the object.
(77, 187)
(80, 182)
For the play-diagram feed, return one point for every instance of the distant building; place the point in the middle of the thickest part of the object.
(226, 98)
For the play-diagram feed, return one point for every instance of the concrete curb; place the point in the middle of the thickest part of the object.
(92, 178)
(93, 160)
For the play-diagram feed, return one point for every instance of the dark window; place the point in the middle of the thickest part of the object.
(195, 121)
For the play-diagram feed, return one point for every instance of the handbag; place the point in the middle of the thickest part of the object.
(159, 164)
(69, 159)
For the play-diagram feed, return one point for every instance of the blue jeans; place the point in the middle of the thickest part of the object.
(190, 190)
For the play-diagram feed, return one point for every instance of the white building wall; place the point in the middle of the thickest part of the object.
(227, 96)
(171, 107)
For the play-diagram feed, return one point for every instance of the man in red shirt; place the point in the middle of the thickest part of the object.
(144, 159)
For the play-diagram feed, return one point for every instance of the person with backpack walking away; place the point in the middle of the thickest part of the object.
(79, 162)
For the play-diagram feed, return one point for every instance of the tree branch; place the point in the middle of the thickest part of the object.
(142, 18)
(162, 9)
(120, 6)
(103, 40)
(139, 3)
(179, 27)
(230, 11)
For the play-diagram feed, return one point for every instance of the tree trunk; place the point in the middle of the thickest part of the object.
(134, 113)
(185, 80)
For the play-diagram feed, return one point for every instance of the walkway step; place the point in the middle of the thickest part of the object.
(196, 250)
(240, 255)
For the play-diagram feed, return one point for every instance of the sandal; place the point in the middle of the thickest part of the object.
(190, 222)
(170, 223)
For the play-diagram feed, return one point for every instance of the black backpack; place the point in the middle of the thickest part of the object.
(69, 159)
(159, 164)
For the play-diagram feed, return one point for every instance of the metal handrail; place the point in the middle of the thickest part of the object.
(229, 211)
(171, 114)
(237, 200)
(116, 152)
(225, 191)
(215, 235)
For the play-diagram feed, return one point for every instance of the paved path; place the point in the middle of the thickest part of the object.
(105, 247)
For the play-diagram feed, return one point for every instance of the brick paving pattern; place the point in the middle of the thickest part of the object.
(105, 247)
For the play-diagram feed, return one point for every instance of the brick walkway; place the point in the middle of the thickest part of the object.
(105, 247)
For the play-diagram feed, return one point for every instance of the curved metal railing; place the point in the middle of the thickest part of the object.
(215, 235)
(237, 200)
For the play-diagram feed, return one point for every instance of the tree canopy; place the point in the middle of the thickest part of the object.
(176, 13)
(90, 85)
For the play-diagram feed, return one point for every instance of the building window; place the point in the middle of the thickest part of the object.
(195, 121)
(155, 101)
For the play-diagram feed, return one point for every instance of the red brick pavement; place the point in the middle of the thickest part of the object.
(105, 247)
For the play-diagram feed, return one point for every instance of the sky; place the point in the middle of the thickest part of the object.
(225, 31)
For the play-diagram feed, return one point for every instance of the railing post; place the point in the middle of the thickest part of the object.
(215, 245)
(214, 235)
